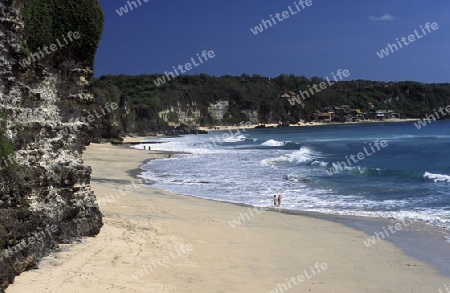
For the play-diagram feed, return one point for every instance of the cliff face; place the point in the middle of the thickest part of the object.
(176, 115)
(45, 193)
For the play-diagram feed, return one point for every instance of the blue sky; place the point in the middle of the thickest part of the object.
(320, 39)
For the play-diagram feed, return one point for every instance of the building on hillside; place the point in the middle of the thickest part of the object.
(380, 114)
(328, 109)
(390, 114)
(338, 111)
(346, 109)
(293, 98)
(358, 114)
(326, 116)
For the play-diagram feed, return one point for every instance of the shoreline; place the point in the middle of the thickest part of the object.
(422, 234)
(418, 232)
(309, 124)
(146, 226)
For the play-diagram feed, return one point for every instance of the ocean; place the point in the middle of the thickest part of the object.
(407, 178)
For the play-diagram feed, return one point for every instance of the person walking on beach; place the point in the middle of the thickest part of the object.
(279, 200)
(275, 200)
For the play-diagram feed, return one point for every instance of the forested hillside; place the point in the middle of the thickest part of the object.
(261, 94)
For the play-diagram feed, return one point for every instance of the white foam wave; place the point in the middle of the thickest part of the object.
(350, 169)
(437, 177)
(429, 216)
(319, 163)
(142, 146)
(235, 138)
(298, 178)
(192, 144)
(272, 142)
(303, 156)
(298, 192)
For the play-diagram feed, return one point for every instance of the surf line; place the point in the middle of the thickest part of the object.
(361, 156)
(226, 135)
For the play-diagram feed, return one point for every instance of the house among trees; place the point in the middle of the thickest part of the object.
(379, 114)
(359, 115)
(392, 114)
(346, 109)
(255, 99)
(383, 114)
(345, 113)
(326, 116)
(329, 109)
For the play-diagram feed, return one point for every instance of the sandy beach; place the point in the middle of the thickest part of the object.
(155, 241)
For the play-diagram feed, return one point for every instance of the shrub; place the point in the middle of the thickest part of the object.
(47, 21)
(6, 146)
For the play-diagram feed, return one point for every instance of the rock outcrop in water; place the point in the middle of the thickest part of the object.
(45, 192)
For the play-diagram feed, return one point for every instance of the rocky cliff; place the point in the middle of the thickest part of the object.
(46, 112)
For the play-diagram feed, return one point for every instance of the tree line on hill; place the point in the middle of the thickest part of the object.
(144, 99)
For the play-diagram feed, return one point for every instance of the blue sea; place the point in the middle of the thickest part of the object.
(408, 178)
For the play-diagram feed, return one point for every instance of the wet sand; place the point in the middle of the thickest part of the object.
(156, 241)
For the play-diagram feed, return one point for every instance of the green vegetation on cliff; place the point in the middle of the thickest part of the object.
(261, 94)
(6, 148)
(47, 21)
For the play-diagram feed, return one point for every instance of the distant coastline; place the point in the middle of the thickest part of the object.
(305, 124)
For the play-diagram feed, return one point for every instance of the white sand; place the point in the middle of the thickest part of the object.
(145, 225)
